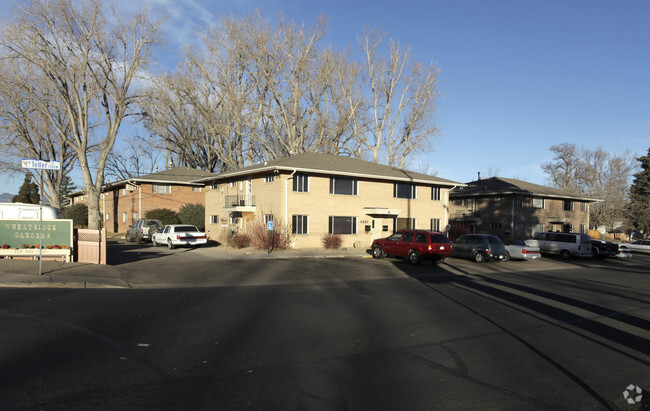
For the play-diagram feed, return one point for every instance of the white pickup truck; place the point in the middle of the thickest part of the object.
(179, 234)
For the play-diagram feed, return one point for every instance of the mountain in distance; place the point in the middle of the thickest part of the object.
(6, 197)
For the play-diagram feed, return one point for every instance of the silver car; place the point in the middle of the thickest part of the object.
(518, 250)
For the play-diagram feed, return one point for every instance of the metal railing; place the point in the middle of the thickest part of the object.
(468, 214)
(243, 200)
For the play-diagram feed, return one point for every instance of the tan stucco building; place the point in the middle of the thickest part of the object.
(313, 195)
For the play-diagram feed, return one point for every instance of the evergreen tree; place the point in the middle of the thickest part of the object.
(639, 208)
(28, 192)
(67, 187)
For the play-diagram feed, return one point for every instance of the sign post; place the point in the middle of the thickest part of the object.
(269, 228)
(41, 165)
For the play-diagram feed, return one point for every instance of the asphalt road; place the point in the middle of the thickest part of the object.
(329, 334)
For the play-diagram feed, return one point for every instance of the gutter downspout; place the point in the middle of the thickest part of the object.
(286, 200)
(447, 207)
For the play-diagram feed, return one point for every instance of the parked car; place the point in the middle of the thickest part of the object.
(518, 250)
(142, 230)
(564, 244)
(638, 246)
(602, 248)
(179, 234)
(479, 247)
(623, 252)
(416, 245)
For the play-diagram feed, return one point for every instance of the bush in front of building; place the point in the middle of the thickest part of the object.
(193, 214)
(165, 215)
(78, 213)
(280, 238)
(332, 241)
(240, 241)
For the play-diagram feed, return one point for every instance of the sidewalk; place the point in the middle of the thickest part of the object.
(56, 274)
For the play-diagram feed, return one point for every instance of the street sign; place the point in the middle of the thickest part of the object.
(269, 225)
(41, 165)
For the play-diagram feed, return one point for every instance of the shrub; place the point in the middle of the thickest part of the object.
(240, 241)
(78, 213)
(193, 214)
(332, 241)
(165, 215)
(280, 238)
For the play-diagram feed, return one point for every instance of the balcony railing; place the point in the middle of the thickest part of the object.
(240, 201)
(467, 215)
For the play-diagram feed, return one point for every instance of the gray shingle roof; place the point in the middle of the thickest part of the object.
(336, 165)
(176, 175)
(502, 186)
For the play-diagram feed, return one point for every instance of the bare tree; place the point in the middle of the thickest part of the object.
(135, 159)
(91, 62)
(403, 100)
(564, 169)
(29, 134)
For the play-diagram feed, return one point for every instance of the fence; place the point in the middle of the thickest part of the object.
(90, 246)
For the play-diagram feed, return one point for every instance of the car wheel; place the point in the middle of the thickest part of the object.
(414, 257)
(154, 243)
(565, 254)
(479, 257)
(169, 244)
(507, 258)
(377, 252)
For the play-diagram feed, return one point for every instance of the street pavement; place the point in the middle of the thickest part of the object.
(128, 260)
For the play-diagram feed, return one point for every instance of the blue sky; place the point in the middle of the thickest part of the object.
(517, 76)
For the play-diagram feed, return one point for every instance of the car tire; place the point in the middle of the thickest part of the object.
(479, 257)
(565, 254)
(507, 258)
(127, 237)
(169, 244)
(377, 252)
(153, 242)
(414, 257)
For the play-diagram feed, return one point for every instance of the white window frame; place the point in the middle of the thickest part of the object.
(353, 225)
(436, 193)
(161, 188)
(435, 224)
(301, 183)
(214, 219)
(414, 191)
(304, 224)
(538, 199)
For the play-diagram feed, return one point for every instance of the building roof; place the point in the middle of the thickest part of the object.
(509, 186)
(176, 175)
(317, 163)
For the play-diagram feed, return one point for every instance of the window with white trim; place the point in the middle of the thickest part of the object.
(435, 224)
(568, 205)
(436, 193)
(268, 178)
(404, 190)
(343, 185)
(124, 217)
(268, 218)
(299, 224)
(162, 189)
(342, 225)
(301, 183)
(135, 216)
(404, 224)
(196, 189)
(214, 219)
(538, 203)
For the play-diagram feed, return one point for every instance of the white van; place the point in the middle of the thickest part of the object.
(564, 244)
(24, 211)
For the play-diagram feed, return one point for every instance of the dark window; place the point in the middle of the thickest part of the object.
(494, 240)
(268, 178)
(301, 182)
(568, 205)
(340, 185)
(439, 238)
(408, 236)
(404, 190)
(395, 237)
(343, 225)
(299, 224)
(420, 238)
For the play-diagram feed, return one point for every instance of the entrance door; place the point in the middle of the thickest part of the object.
(376, 229)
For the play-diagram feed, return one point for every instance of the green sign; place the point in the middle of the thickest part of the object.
(26, 233)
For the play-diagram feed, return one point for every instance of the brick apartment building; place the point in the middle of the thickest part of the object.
(313, 195)
(513, 208)
(124, 202)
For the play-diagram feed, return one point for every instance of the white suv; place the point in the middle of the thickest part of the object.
(142, 230)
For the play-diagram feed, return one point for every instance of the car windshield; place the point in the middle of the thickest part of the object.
(439, 238)
(186, 229)
(494, 239)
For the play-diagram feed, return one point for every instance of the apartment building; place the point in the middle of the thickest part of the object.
(314, 194)
(513, 208)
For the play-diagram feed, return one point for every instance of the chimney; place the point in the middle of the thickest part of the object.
(479, 175)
